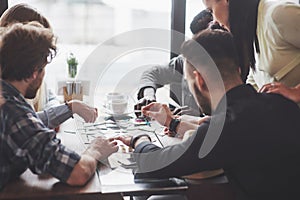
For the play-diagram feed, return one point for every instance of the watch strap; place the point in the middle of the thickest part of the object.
(173, 125)
(136, 137)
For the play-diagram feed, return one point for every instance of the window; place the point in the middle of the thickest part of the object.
(81, 25)
(193, 7)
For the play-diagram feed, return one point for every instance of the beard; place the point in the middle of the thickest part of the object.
(32, 89)
(202, 101)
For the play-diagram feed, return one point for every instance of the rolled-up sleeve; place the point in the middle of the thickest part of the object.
(54, 116)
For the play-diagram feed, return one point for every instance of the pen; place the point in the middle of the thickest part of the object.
(179, 109)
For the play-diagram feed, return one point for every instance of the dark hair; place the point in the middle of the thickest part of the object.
(217, 45)
(24, 49)
(201, 21)
(22, 13)
(243, 22)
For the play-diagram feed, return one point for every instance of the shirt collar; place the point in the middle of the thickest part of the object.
(9, 91)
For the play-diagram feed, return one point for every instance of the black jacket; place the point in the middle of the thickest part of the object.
(258, 146)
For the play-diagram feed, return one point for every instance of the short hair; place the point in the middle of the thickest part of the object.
(22, 13)
(25, 48)
(201, 21)
(212, 47)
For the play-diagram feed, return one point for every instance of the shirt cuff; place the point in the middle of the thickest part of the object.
(58, 115)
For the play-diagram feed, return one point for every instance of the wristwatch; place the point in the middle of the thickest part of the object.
(136, 137)
(173, 125)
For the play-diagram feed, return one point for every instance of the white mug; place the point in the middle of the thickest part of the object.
(118, 106)
(116, 102)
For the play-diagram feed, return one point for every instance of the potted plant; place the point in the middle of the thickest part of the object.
(72, 65)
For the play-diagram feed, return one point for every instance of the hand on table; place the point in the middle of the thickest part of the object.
(88, 113)
(100, 148)
(292, 93)
(125, 139)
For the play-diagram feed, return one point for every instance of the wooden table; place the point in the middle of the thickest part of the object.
(195, 187)
(31, 186)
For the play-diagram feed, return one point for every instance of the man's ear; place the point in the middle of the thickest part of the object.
(33, 76)
(199, 81)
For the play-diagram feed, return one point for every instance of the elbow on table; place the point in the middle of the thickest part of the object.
(82, 173)
(79, 180)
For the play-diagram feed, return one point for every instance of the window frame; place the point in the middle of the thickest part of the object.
(178, 15)
(3, 6)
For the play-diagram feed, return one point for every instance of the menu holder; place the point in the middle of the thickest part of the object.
(68, 97)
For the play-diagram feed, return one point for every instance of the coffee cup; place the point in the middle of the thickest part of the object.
(115, 95)
(116, 102)
(118, 106)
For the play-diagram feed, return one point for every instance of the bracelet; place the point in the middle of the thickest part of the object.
(66, 103)
(173, 125)
(136, 137)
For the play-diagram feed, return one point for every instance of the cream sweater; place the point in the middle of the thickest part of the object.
(278, 32)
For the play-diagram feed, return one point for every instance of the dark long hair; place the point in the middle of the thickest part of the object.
(243, 22)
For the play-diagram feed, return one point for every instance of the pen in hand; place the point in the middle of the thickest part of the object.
(179, 110)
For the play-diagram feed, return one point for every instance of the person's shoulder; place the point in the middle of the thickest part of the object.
(16, 108)
(286, 13)
(177, 63)
(280, 104)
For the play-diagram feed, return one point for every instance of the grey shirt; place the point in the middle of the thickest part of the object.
(172, 73)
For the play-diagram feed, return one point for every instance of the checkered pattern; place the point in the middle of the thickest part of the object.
(25, 142)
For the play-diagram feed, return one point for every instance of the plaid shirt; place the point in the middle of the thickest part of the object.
(25, 142)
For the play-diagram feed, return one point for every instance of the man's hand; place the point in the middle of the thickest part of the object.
(100, 148)
(159, 112)
(88, 113)
(185, 124)
(142, 102)
(125, 139)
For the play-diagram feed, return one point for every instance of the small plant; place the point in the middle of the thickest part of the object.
(72, 65)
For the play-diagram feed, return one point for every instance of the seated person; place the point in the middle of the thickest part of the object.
(46, 103)
(253, 136)
(161, 75)
(26, 142)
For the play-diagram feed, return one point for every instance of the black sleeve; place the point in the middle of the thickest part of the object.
(177, 160)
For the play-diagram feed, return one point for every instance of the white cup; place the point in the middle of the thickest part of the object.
(118, 106)
(116, 102)
(115, 95)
